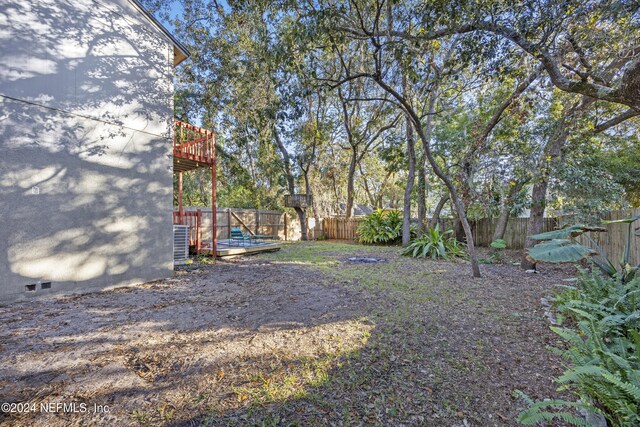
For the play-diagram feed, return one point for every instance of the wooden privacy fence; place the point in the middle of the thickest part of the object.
(278, 225)
(340, 228)
(515, 234)
(250, 221)
(612, 242)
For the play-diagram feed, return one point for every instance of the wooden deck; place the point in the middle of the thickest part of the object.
(194, 148)
(224, 248)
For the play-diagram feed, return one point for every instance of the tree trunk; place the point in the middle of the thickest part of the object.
(505, 211)
(372, 199)
(457, 202)
(551, 157)
(536, 217)
(406, 216)
(291, 181)
(308, 192)
(422, 170)
(501, 224)
(422, 195)
(336, 198)
(286, 160)
(417, 123)
(458, 229)
(466, 198)
(350, 186)
(302, 216)
(436, 214)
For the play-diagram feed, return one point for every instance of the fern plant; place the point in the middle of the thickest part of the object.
(603, 345)
(547, 411)
(380, 227)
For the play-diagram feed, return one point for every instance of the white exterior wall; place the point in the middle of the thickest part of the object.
(86, 108)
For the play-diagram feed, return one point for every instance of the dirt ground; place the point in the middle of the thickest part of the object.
(304, 336)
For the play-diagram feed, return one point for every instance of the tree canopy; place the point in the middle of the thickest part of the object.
(482, 109)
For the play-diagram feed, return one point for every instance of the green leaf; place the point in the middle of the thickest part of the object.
(559, 250)
(622, 221)
(566, 232)
(498, 244)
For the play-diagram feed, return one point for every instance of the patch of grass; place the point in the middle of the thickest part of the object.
(140, 416)
(319, 253)
(405, 278)
(291, 378)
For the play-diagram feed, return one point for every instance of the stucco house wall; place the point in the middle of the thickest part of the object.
(86, 112)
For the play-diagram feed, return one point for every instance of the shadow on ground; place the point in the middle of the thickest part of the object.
(301, 337)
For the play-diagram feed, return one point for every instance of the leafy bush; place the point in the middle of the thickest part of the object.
(435, 244)
(498, 244)
(496, 255)
(603, 344)
(455, 249)
(380, 226)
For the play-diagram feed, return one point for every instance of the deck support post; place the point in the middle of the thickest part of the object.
(199, 231)
(213, 199)
(194, 148)
(180, 208)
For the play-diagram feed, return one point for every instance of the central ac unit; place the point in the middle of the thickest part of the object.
(180, 244)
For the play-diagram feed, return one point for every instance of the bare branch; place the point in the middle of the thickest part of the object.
(630, 113)
(591, 89)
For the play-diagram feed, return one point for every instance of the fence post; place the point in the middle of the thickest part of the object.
(228, 224)
(286, 237)
(199, 231)
(257, 221)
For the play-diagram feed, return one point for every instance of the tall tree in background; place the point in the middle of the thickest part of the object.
(287, 83)
(365, 125)
(386, 65)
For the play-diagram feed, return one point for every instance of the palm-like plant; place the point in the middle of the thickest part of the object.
(435, 244)
(561, 246)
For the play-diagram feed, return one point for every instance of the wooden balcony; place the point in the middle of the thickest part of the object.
(193, 147)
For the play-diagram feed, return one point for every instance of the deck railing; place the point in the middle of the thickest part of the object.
(298, 200)
(193, 143)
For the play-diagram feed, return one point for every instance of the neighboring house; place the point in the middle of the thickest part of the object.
(86, 122)
(357, 210)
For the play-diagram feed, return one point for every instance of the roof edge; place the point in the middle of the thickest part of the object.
(183, 53)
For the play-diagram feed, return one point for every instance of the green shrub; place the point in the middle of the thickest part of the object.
(498, 244)
(603, 345)
(496, 255)
(435, 244)
(380, 226)
(455, 249)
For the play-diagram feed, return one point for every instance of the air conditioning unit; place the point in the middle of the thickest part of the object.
(180, 244)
